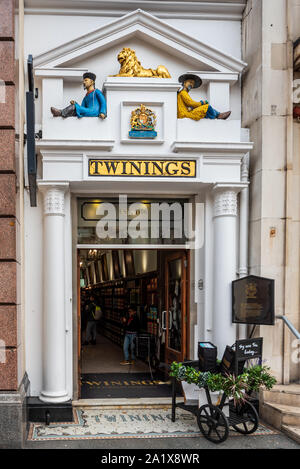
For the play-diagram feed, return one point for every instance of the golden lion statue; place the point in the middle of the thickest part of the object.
(131, 66)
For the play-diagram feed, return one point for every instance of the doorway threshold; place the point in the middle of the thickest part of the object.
(126, 402)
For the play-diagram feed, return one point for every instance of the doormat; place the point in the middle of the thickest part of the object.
(123, 385)
(108, 423)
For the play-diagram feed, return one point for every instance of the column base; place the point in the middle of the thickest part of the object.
(39, 411)
(54, 398)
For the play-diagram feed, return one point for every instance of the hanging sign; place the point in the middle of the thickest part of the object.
(143, 168)
(253, 301)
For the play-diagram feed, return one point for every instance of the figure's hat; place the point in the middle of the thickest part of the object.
(190, 76)
(90, 75)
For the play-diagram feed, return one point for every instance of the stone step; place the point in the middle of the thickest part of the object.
(279, 414)
(292, 432)
(126, 403)
(283, 394)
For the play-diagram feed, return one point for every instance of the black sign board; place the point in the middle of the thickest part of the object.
(253, 301)
(247, 350)
(30, 121)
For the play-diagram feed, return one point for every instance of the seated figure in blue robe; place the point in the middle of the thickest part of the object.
(93, 104)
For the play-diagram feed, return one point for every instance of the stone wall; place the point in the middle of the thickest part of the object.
(8, 221)
(12, 387)
(267, 111)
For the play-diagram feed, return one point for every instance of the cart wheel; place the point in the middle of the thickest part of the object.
(213, 423)
(250, 426)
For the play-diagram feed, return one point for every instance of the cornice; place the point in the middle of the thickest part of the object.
(234, 148)
(146, 84)
(73, 74)
(81, 145)
(231, 10)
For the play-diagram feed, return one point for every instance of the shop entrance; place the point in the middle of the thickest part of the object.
(155, 283)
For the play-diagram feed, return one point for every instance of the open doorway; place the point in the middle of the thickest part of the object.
(154, 283)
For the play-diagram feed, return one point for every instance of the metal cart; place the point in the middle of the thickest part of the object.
(211, 419)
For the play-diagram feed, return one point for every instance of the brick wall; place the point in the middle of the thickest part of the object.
(8, 221)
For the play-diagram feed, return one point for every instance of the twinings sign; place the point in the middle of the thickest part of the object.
(143, 168)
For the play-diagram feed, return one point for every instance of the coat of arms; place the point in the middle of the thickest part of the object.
(142, 123)
(251, 290)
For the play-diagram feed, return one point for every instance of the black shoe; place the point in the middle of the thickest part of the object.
(85, 343)
(224, 115)
(93, 342)
(55, 112)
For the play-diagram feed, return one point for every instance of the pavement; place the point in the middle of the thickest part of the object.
(278, 441)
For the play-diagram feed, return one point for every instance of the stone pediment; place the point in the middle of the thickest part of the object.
(144, 27)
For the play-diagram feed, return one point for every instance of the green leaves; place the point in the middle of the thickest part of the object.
(259, 376)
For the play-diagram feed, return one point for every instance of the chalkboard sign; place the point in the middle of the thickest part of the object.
(249, 348)
(253, 301)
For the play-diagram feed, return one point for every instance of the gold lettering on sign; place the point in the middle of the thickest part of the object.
(142, 168)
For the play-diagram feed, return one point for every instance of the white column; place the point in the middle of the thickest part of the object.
(224, 266)
(54, 330)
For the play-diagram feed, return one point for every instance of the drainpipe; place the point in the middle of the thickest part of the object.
(244, 226)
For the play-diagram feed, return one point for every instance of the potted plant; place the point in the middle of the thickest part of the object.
(239, 389)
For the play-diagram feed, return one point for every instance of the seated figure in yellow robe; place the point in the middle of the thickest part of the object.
(187, 107)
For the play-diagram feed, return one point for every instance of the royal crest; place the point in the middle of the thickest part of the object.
(142, 122)
(251, 290)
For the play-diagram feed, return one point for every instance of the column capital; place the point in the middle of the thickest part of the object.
(225, 203)
(225, 198)
(54, 198)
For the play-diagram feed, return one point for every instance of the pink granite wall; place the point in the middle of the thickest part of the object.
(8, 261)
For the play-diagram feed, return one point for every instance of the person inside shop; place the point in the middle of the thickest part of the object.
(91, 320)
(131, 326)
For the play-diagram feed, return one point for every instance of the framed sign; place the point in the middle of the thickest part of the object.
(143, 168)
(253, 301)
